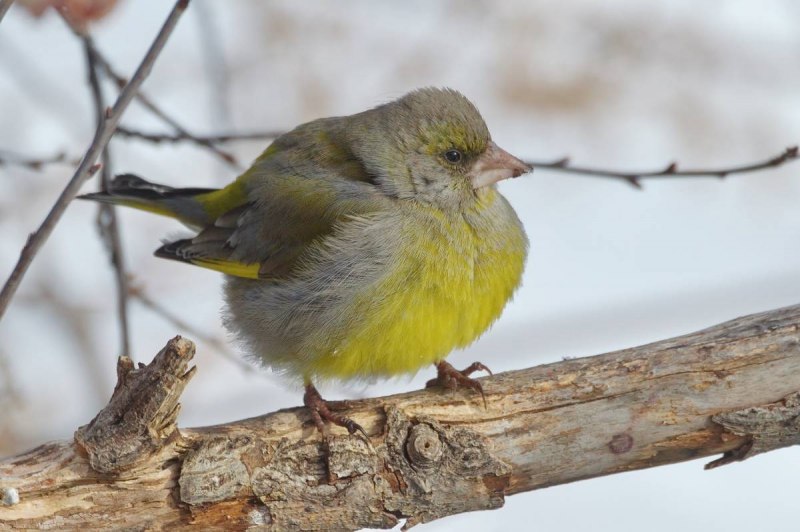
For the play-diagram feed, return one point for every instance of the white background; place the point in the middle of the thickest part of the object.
(615, 84)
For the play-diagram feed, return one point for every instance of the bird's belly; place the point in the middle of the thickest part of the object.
(447, 287)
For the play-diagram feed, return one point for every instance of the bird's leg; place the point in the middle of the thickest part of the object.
(449, 377)
(320, 412)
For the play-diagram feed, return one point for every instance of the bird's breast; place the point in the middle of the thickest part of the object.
(450, 278)
(468, 266)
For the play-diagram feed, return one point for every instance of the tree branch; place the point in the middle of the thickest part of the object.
(8, 158)
(4, 6)
(148, 104)
(634, 178)
(560, 165)
(202, 140)
(88, 166)
(731, 389)
(107, 222)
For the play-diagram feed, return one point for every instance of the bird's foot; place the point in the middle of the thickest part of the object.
(321, 412)
(449, 377)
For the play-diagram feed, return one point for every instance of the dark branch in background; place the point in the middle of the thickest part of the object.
(563, 165)
(202, 140)
(107, 222)
(88, 166)
(216, 67)
(8, 158)
(4, 5)
(148, 104)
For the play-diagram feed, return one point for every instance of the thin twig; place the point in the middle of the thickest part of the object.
(563, 165)
(8, 158)
(107, 222)
(148, 104)
(216, 67)
(88, 166)
(203, 140)
(4, 5)
(138, 293)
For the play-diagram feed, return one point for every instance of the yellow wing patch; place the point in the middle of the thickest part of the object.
(220, 201)
(237, 269)
(155, 208)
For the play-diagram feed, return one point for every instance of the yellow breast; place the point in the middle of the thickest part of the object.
(452, 278)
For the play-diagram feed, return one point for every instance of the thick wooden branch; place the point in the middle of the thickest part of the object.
(731, 390)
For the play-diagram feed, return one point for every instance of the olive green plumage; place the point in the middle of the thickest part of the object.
(359, 246)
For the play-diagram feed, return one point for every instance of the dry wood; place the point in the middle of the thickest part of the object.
(731, 389)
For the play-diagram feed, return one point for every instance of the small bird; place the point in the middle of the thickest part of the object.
(358, 247)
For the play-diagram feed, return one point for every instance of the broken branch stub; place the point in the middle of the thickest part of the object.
(141, 415)
(766, 427)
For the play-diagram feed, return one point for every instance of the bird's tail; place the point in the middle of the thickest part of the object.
(189, 205)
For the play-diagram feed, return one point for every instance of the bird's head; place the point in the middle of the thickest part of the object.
(432, 145)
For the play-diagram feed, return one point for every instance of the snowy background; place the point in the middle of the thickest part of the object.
(619, 84)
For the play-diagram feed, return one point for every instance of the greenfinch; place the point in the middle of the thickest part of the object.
(358, 247)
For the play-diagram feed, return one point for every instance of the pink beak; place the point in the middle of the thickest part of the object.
(495, 165)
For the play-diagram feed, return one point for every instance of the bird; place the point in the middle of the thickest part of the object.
(357, 247)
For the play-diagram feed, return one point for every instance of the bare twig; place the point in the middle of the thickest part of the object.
(107, 222)
(563, 165)
(203, 140)
(8, 158)
(213, 55)
(139, 294)
(148, 104)
(88, 166)
(4, 5)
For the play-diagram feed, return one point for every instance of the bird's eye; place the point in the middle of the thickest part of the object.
(452, 155)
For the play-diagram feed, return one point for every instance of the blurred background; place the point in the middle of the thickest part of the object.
(618, 84)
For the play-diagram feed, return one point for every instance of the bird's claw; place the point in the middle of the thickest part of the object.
(353, 427)
(449, 377)
(321, 412)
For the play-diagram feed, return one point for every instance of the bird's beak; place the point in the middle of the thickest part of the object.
(495, 165)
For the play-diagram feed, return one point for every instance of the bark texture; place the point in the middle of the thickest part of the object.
(732, 389)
